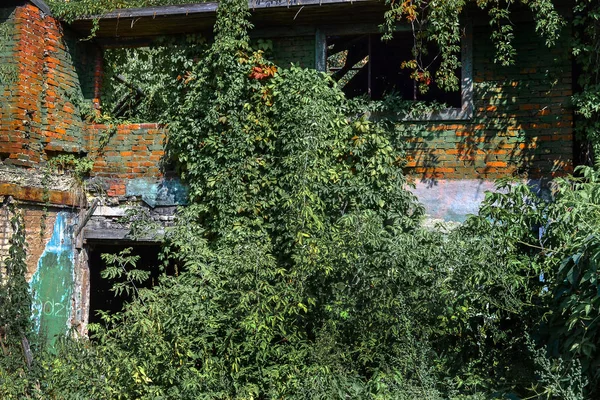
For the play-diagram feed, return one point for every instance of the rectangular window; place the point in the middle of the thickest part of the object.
(364, 65)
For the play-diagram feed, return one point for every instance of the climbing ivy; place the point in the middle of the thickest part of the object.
(8, 69)
(586, 49)
(304, 272)
(439, 23)
(15, 311)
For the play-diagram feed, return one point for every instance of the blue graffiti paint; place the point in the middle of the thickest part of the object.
(52, 284)
(167, 192)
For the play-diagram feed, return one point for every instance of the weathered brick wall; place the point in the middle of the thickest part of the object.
(298, 50)
(126, 152)
(38, 229)
(47, 93)
(522, 123)
(8, 79)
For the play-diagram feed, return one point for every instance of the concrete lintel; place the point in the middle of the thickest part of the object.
(112, 234)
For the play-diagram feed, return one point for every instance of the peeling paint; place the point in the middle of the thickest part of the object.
(166, 192)
(52, 284)
(455, 200)
(452, 201)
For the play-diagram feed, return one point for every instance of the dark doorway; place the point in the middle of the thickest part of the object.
(101, 296)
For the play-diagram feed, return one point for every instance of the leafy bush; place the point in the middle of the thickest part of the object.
(304, 272)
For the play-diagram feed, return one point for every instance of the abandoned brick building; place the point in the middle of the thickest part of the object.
(505, 121)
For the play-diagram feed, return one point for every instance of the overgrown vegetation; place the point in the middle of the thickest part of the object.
(73, 9)
(147, 83)
(304, 272)
(15, 312)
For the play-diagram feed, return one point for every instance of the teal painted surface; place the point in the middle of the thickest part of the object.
(52, 284)
(167, 192)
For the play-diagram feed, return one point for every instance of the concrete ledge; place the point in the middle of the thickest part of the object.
(29, 184)
(121, 235)
(36, 194)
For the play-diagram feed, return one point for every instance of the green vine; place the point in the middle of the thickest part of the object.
(304, 272)
(47, 173)
(15, 299)
(79, 167)
(8, 69)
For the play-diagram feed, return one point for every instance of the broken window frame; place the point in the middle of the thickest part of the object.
(464, 112)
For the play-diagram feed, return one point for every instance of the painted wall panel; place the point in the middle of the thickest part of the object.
(53, 282)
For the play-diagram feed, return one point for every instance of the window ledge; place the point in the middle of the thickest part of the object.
(447, 114)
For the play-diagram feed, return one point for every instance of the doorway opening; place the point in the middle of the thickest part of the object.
(101, 295)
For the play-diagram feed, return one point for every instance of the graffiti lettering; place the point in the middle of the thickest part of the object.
(51, 308)
(58, 308)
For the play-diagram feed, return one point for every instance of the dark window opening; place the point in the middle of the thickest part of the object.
(365, 65)
(101, 296)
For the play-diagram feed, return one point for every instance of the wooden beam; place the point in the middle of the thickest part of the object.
(359, 29)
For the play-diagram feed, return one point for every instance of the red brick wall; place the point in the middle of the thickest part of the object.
(522, 123)
(48, 90)
(126, 152)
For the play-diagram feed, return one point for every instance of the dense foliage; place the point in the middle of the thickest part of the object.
(303, 269)
(586, 49)
(157, 72)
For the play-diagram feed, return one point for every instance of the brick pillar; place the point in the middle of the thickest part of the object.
(26, 123)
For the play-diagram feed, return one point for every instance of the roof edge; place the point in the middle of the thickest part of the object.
(42, 6)
(209, 7)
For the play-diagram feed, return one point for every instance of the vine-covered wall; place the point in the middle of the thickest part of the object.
(523, 121)
(522, 126)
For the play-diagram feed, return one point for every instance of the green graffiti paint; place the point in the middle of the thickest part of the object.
(52, 283)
